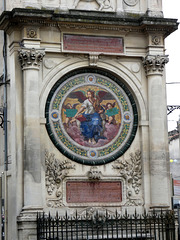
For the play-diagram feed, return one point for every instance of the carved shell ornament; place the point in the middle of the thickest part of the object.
(131, 2)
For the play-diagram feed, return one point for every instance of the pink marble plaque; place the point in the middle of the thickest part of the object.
(82, 43)
(86, 191)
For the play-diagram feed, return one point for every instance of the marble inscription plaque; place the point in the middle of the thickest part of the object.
(86, 192)
(82, 43)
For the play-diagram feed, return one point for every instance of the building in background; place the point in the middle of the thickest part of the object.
(83, 101)
(174, 156)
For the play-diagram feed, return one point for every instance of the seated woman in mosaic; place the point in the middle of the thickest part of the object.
(92, 116)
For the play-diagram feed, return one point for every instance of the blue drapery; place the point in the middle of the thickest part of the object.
(92, 127)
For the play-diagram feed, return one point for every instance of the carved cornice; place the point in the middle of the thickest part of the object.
(30, 57)
(154, 64)
(86, 20)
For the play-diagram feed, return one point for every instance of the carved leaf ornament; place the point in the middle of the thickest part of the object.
(56, 171)
(131, 170)
(31, 57)
(153, 63)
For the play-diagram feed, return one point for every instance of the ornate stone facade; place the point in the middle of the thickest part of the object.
(116, 63)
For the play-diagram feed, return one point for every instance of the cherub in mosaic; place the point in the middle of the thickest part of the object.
(91, 116)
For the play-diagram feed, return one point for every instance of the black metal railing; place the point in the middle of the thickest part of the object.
(154, 225)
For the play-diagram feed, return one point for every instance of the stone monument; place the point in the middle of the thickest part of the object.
(86, 108)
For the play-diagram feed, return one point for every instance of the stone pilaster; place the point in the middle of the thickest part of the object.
(30, 60)
(159, 171)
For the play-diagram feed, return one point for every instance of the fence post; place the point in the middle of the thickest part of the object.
(178, 211)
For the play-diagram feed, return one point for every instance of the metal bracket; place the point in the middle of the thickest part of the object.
(171, 108)
(1, 117)
(4, 83)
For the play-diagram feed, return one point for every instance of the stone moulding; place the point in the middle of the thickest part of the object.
(19, 17)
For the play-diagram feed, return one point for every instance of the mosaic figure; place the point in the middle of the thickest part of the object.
(70, 109)
(90, 118)
(111, 111)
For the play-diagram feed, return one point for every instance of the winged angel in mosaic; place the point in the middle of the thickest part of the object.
(95, 121)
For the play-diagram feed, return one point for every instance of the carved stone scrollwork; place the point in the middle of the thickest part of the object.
(94, 174)
(103, 4)
(31, 57)
(93, 59)
(94, 212)
(56, 171)
(154, 64)
(131, 171)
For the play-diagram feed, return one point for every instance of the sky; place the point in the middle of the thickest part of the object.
(171, 9)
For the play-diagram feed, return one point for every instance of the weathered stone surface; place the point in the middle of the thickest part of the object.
(37, 180)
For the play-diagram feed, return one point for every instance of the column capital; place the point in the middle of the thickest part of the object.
(154, 64)
(30, 57)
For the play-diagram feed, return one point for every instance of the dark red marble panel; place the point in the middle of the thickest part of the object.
(86, 191)
(82, 43)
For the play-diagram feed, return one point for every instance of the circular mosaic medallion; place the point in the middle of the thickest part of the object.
(91, 116)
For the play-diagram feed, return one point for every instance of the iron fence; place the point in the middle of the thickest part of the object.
(154, 225)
